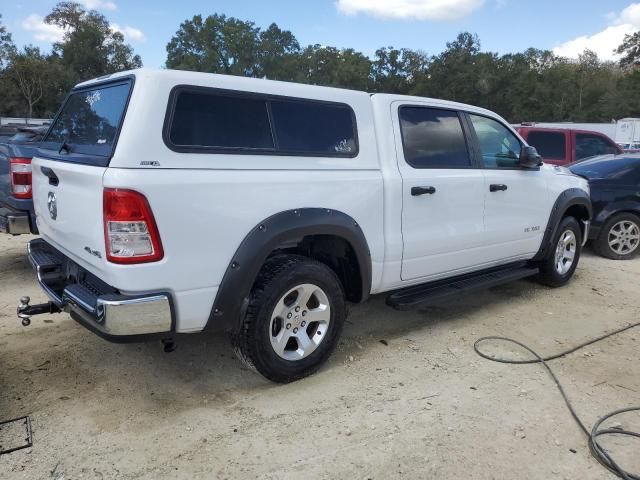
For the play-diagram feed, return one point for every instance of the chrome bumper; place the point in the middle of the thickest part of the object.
(14, 222)
(96, 305)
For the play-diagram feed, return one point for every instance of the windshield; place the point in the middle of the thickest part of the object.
(89, 120)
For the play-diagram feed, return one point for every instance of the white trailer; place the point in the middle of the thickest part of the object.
(628, 133)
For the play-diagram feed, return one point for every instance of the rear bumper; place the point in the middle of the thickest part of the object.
(98, 306)
(14, 222)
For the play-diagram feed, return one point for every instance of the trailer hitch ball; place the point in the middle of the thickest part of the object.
(24, 304)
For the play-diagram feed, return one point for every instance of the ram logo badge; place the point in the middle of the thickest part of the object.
(52, 204)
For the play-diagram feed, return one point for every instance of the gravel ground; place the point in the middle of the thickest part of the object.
(404, 396)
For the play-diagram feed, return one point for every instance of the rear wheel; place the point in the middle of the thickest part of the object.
(294, 318)
(620, 237)
(561, 262)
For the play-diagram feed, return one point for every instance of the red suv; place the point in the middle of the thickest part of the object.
(562, 146)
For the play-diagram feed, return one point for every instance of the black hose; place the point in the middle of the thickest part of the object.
(596, 449)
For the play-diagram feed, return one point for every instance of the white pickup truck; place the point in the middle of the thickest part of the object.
(169, 202)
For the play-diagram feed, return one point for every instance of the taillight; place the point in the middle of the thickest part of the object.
(130, 231)
(20, 170)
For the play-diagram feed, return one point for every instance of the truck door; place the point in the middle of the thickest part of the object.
(516, 206)
(442, 191)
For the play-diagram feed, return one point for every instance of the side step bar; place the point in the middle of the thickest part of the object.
(439, 291)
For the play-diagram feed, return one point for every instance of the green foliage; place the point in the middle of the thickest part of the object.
(89, 48)
(534, 85)
(34, 83)
(630, 50)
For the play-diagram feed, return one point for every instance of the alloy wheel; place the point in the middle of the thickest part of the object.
(299, 322)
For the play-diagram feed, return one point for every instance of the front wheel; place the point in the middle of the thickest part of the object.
(561, 262)
(295, 316)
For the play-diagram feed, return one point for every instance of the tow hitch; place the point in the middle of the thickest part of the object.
(26, 311)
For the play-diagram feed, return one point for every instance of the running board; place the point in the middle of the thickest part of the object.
(439, 291)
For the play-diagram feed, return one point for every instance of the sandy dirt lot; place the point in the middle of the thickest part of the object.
(420, 404)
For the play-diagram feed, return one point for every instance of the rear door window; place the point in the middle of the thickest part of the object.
(550, 145)
(433, 138)
(90, 120)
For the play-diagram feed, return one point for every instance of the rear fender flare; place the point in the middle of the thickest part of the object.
(283, 229)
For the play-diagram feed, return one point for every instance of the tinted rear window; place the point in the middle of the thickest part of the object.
(549, 144)
(433, 138)
(211, 121)
(220, 121)
(318, 128)
(90, 119)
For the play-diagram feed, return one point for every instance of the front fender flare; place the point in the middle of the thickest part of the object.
(279, 230)
(567, 199)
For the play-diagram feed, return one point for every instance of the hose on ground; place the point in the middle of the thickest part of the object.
(597, 450)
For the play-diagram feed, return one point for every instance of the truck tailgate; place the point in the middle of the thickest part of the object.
(68, 204)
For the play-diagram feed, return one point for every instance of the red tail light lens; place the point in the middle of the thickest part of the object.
(20, 170)
(130, 231)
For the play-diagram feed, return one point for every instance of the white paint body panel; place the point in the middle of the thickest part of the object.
(205, 204)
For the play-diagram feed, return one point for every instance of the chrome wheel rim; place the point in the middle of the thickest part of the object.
(624, 237)
(299, 322)
(566, 252)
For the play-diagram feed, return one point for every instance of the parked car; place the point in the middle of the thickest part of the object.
(16, 206)
(173, 202)
(615, 193)
(563, 146)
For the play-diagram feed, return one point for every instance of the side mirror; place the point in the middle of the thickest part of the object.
(529, 157)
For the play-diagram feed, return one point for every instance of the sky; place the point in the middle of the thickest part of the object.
(504, 26)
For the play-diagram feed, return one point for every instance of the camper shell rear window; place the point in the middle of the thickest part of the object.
(211, 120)
(87, 126)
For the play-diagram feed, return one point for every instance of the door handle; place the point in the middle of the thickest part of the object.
(53, 178)
(497, 187)
(417, 191)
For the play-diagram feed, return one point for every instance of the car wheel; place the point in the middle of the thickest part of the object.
(557, 269)
(294, 318)
(620, 237)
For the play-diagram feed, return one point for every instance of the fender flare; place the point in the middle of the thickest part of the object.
(567, 199)
(285, 228)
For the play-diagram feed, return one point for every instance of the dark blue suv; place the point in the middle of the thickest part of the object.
(16, 204)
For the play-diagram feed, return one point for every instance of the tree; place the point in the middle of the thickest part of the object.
(216, 44)
(333, 67)
(397, 71)
(277, 54)
(29, 71)
(630, 50)
(7, 48)
(90, 47)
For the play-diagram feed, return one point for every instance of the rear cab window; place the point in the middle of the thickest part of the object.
(87, 126)
(208, 120)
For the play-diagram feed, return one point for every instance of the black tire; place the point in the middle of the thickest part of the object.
(253, 345)
(549, 273)
(601, 244)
